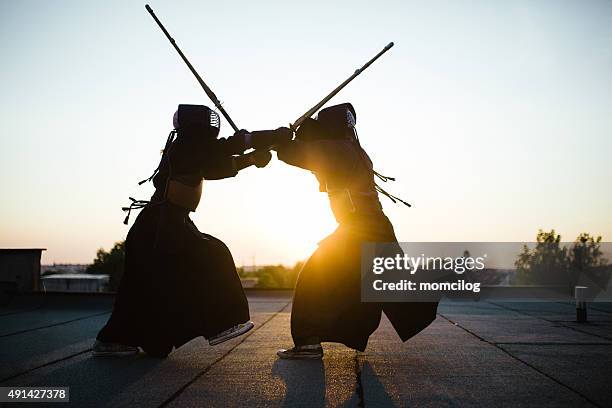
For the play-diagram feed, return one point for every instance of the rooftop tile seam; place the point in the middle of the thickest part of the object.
(68, 357)
(55, 324)
(591, 306)
(21, 311)
(211, 365)
(592, 323)
(551, 321)
(599, 310)
(526, 343)
(583, 396)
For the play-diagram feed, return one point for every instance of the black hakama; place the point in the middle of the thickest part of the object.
(178, 284)
(327, 305)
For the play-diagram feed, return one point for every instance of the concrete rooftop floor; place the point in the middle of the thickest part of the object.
(474, 354)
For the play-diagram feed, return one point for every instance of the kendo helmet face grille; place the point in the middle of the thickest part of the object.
(215, 119)
(350, 119)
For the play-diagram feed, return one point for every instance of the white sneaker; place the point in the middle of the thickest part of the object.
(102, 349)
(235, 331)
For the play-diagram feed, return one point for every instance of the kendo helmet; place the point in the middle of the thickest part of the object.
(335, 120)
(332, 123)
(197, 119)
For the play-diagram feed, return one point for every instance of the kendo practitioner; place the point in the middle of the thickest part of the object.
(180, 283)
(327, 303)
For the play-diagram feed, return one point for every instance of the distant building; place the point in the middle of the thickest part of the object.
(74, 282)
(63, 268)
(250, 268)
(20, 270)
(249, 282)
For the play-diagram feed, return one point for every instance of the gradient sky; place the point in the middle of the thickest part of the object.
(495, 117)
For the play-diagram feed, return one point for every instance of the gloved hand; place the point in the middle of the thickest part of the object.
(264, 139)
(244, 138)
(241, 133)
(282, 135)
(261, 158)
(309, 130)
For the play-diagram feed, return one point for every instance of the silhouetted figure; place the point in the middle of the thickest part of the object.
(327, 301)
(180, 283)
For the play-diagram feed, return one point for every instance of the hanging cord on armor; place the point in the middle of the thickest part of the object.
(140, 204)
(390, 196)
(168, 143)
(383, 178)
(134, 205)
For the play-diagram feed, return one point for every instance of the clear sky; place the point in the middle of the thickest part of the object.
(495, 117)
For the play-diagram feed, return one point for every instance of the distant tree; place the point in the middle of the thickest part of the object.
(586, 259)
(293, 274)
(274, 276)
(586, 252)
(268, 277)
(110, 263)
(546, 264)
(278, 276)
(551, 264)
